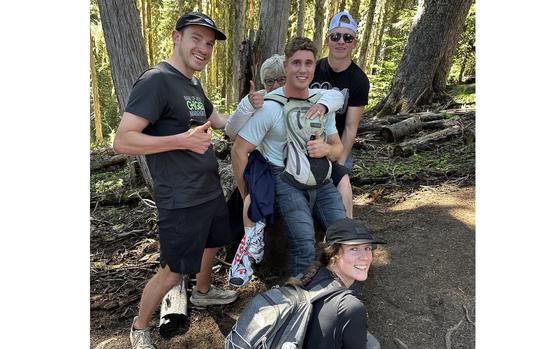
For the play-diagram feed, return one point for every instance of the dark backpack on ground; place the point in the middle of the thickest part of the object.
(278, 318)
(301, 170)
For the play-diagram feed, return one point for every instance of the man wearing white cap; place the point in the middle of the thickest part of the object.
(338, 71)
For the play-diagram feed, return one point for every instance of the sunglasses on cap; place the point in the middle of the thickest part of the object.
(270, 82)
(348, 38)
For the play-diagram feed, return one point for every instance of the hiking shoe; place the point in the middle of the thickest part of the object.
(140, 339)
(215, 296)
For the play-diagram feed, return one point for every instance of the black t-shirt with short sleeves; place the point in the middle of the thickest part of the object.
(352, 78)
(338, 320)
(172, 103)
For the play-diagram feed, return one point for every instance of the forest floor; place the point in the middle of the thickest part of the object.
(420, 293)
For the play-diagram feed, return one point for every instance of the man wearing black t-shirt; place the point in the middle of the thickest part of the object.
(167, 118)
(338, 71)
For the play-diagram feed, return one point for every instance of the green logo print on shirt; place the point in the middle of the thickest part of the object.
(195, 106)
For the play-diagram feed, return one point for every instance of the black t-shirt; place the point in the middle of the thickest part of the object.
(338, 321)
(352, 78)
(170, 101)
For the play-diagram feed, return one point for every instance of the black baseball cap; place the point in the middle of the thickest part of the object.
(349, 232)
(197, 18)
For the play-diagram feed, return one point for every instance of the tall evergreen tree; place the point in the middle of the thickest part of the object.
(272, 33)
(318, 35)
(125, 46)
(426, 60)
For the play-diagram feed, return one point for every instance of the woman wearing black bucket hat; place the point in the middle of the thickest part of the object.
(340, 320)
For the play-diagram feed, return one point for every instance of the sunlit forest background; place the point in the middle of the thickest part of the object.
(383, 29)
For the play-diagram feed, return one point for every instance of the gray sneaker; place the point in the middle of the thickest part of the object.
(215, 296)
(140, 339)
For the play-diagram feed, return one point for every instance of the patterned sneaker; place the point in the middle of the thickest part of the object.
(140, 339)
(215, 296)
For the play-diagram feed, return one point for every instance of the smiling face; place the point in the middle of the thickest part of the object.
(340, 50)
(193, 48)
(353, 263)
(299, 69)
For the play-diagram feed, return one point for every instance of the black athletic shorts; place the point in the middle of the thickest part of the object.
(185, 232)
(338, 171)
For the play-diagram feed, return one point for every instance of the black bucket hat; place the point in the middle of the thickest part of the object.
(197, 18)
(349, 232)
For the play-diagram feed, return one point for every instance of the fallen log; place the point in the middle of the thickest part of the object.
(120, 197)
(173, 311)
(401, 129)
(408, 148)
(369, 123)
(113, 160)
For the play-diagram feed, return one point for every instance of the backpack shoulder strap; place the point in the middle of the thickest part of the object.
(321, 290)
(314, 98)
(282, 100)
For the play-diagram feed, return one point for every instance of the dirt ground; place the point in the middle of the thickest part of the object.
(420, 294)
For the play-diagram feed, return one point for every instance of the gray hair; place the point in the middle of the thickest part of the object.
(272, 67)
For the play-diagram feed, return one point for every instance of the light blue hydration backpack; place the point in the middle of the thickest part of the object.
(301, 170)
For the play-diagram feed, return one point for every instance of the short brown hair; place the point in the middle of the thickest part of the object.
(297, 44)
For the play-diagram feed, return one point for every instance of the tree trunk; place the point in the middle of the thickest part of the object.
(426, 59)
(127, 55)
(245, 66)
(272, 33)
(382, 22)
(239, 15)
(180, 8)
(301, 13)
(367, 34)
(318, 35)
(150, 33)
(95, 92)
(355, 9)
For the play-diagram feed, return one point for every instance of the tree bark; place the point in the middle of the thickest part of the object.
(113, 160)
(95, 92)
(409, 147)
(367, 33)
(127, 55)
(369, 124)
(383, 24)
(246, 66)
(272, 33)
(412, 125)
(355, 9)
(239, 15)
(426, 60)
(150, 32)
(318, 34)
(173, 310)
(301, 13)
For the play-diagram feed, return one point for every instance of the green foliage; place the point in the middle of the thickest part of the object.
(406, 168)
(110, 181)
(394, 44)
(466, 49)
(462, 93)
(216, 80)
(444, 161)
